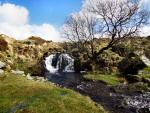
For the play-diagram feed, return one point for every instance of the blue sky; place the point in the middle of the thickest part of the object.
(53, 12)
(21, 19)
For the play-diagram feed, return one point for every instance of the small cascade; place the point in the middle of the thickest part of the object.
(48, 63)
(145, 60)
(59, 63)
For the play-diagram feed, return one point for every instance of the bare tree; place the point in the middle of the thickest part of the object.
(114, 19)
(81, 28)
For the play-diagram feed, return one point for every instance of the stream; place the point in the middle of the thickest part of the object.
(60, 72)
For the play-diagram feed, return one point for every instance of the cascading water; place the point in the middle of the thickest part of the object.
(59, 63)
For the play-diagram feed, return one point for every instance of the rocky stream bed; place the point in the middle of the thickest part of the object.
(115, 99)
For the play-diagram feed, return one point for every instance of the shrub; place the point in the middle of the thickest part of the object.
(3, 44)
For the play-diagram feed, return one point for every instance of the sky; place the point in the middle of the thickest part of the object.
(23, 18)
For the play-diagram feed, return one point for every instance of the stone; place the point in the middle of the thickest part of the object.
(41, 79)
(8, 67)
(23, 75)
(17, 72)
(133, 78)
(146, 80)
(1, 71)
(9, 61)
(145, 60)
(2, 65)
(29, 77)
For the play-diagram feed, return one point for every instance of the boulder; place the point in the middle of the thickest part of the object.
(2, 65)
(131, 65)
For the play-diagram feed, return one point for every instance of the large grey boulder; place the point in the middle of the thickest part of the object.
(2, 64)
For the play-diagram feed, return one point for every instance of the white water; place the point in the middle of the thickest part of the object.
(48, 63)
(64, 63)
(145, 60)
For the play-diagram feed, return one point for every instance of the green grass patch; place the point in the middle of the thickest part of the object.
(25, 96)
(146, 76)
(146, 73)
(110, 79)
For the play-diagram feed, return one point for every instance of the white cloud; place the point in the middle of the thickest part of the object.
(145, 31)
(14, 21)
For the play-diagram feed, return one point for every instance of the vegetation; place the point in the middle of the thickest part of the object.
(117, 20)
(110, 79)
(146, 73)
(23, 96)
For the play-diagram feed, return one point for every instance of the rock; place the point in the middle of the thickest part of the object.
(145, 60)
(8, 67)
(2, 65)
(29, 77)
(17, 72)
(1, 71)
(23, 75)
(146, 80)
(41, 79)
(131, 65)
(9, 61)
(133, 78)
(139, 101)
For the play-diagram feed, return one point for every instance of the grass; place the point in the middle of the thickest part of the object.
(146, 76)
(111, 79)
(24, 96)
(146, 73)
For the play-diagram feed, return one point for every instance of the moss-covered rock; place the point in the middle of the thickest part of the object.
(131, 65)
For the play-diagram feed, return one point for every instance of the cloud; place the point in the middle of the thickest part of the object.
(14, 21)
(145, 31)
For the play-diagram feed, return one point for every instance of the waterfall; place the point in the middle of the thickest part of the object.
(59, 63)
